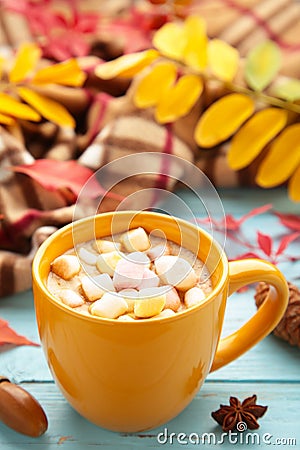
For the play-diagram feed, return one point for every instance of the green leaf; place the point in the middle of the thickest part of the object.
(262, 65)
(289, 90)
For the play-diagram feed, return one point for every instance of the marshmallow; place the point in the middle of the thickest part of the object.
(165, 313)
(150, 303)
(130, 295)
(87, 257)
(140, 258)
(94, 288)
(107, 262)
(150, 279)
(70, 298)
(83, 309)
(128, 274)
(135, 240)
(110, 306)
(175, 271)
(173, 301)
(158, 250)
(103, 246)
(126, 318)
(194, 296)
(66, 266)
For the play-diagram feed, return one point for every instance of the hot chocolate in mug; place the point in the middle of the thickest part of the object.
(133, 376)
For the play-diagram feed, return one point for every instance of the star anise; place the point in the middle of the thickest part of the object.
(228, 416)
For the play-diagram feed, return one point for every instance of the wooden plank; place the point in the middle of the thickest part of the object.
(24, 362)
(68, 430)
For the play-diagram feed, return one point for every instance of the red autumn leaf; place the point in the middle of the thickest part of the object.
(60, 35)
(136, 29)
(9, 336)
(233, 224)
(291, 221)
(256, 212)
(246, 256)
(52, 175)
(242, 289)
(265, 242)
(285, 241)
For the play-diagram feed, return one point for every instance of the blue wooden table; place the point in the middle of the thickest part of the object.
(271, 369)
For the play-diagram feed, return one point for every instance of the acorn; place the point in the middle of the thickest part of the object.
(20, 411)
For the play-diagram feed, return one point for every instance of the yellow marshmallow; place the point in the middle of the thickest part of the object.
(136, 240)
(107, 262)
(151, 302)
(103, 246)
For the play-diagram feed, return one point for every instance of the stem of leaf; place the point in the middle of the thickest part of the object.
(274, 101)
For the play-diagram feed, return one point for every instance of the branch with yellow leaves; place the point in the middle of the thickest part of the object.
(20, 83)
(255, 112)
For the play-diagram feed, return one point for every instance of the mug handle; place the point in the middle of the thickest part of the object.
(241, 273)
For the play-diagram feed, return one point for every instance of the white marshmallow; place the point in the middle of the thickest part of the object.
(165, 313)
(194, 296)
(140, 258)
(66, 266)
(158, 250)
(107, 262)
(110, 306)
(94, 288)
(70, 298)
(83, 309)
(135, 240)
(126, 318)
(87, 257)
(175, 271)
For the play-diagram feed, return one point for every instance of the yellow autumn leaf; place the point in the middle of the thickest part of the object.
(249, 141)
(1, 66)
(170, 40)
(26, 60)
(67, 73)
(262, 65)
(222, 119)
(153, 85)
(294, 186)
(127, 65)
(6, 120)
(288, 90)
(223, 59)
(10, 106)
(51, 110)
(179, 100)
(282, 159)
(195, 50)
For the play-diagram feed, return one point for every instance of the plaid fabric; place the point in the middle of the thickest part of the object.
(109, 126)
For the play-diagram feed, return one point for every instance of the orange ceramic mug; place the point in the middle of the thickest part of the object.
(132, 376)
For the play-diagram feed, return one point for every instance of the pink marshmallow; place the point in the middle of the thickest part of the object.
(150, 279)
(173, 300)
(128, 275)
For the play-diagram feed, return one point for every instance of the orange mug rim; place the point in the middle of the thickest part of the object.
(105, 321)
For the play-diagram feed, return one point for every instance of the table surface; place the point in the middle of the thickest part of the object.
(270, 369)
